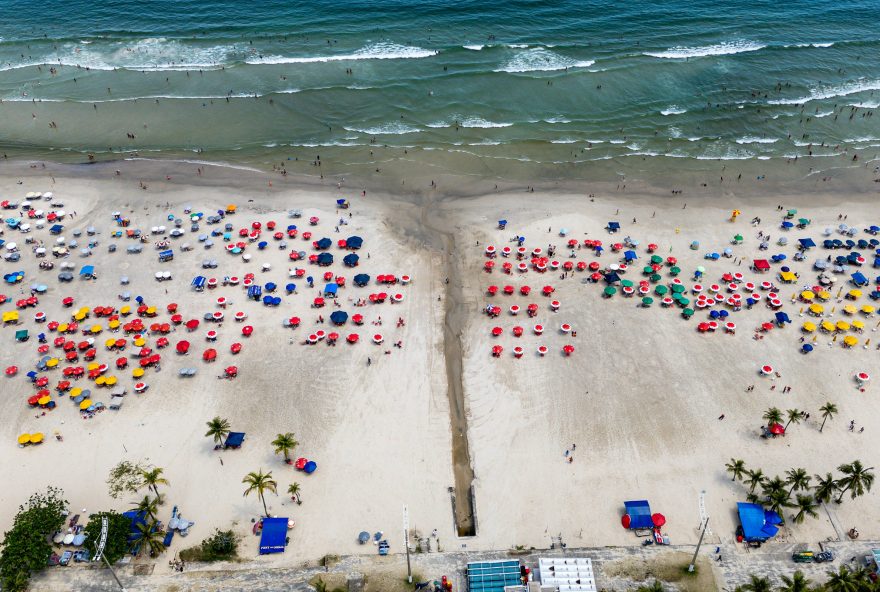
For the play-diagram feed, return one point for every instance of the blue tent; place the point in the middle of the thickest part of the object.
(338, 317)
(611, 278)
(351, 260)
(87, 270)
(757, 524)
(630, 255)
(274, 536)
(782, 317)
(56, 229)
(136, 519)
(354, 242)
(234, 440)
(639, 512)
(807, 243)
(859, 279)
(198, 282)
(325, 259)
(502, 224)
(324, 243)
(330, 289)
(254, 292)
(361, 280)
(613, 226)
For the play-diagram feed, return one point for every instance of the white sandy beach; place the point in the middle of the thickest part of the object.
(639, 397)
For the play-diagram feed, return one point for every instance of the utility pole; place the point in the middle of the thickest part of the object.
(99, 549)
(406, 543)
(700, 542)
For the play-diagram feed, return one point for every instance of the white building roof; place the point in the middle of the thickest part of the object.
(567, 574)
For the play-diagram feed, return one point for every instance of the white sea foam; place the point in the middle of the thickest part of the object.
(866, 105)
(756, 140)
(540, 59)
(829, 92)
(556, 120)
(727, 48)
(673, 110)
(374, 51)
(393, 129)
(472, 122)
(817, 45)
(563, 141)
(474, 47)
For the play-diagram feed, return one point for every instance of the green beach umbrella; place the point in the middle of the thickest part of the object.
(684, 302)
(656, 259)
(626, 283)
(803, 222)
(792, 212)
(688, 312)
(674, 271)
(661, 289)
(676, 296)
(647, 301)
(678, 288)
(610, 291)
(738, 238)
(647, 270)
(655, 278)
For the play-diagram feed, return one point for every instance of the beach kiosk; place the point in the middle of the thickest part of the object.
(757, 525)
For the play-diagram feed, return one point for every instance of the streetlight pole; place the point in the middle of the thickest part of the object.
(700, 542)
(406, 543)
(99, 549)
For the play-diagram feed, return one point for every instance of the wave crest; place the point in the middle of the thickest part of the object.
(727, 48)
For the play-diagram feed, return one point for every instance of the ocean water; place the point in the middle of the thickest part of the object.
(475, 85)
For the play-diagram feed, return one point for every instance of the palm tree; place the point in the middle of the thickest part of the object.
(798, 582)
(756, 478)
(218, 428)
(799, 479)
(261, 483)
(149, 506)
(825, 488)
(773, 415)
(736, 467)
(843, 580)
(146, 535)
(793, 416)
(285, 443)
(828, 411)
(294, 490)
(152, 478)
(857, 479)
(756, 584)
(776, 496)
(806, 506)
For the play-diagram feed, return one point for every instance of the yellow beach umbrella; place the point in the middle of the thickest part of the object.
(230, 209)
(854, 294)
(858, 325)
(10, 316)
(828, 326)
(93, 366)
(85, 404)
(110, 343)
(85, 310)
(24, 439)
(817, 309)
(62, 328)
(51, 362)
(125, 310)
(44, 400)
(75, 391)
(114, 324)
(137, 372)
(79, 316)
(96, 329)
(850, 341)
(140, 342)
(100, 380)
(850, 309)
(806, 295)
(868, 309)
(151, 310)
(37, 438)
(111, 380)
(842, 326)
(809, 327)
(824, 295)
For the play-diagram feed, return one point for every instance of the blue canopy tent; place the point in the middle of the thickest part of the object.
(136, 518)
(361, 280)
(325, 259)
(351, 260)
(782, 318)
(56, 229)
(323, 243)
(613, 226)
(234, 440)
(342, 203)
(758, 524)
(630, 256)
(502, 224)
(273, 538)
(611, 278)
(198, 282)
(338, 317)
(859, 279)
(807, 243)
(330, 290)
(638, 515)
(254, 292)
(354, 242)
(87, 271)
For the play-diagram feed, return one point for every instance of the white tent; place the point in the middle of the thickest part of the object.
(567, 574)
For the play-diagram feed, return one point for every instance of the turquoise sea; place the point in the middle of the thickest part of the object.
(491, 84)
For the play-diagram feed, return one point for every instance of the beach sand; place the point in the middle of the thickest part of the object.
(640, 396)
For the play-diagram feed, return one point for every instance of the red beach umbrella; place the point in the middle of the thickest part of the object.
(247, 330)
(658, 519)
(568, 349)
(235, 348)
(492, 290)
(352, 338)
(209, 355)
(182, 347)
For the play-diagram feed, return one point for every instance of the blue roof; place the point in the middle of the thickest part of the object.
(639, 512)
(274, 535)
(330, 288)
(757, 524)
(493, 576)
(234, 439)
